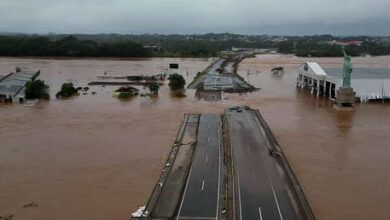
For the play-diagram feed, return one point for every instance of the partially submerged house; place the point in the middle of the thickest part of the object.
(12, 86)
(370, 84)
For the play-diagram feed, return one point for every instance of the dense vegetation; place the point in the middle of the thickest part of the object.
(126, 95)
(176, 81)
(315, 48)
(67, 90)
(175, 45)
(154, 87)
(205, 45)
(68, 47)
(36, 90)
(208, 45)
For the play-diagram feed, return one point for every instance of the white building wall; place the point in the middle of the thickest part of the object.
(366, 89)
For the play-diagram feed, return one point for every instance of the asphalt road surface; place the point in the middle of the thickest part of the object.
(259, 189)
(217, 65)
(201, 196)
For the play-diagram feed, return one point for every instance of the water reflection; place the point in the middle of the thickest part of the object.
(344, 121)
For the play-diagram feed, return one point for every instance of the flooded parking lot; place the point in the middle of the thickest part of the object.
(96, 157)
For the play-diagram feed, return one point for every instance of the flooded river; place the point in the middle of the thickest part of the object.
(95, 157)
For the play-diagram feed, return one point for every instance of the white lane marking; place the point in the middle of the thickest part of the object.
(202, 185)
(219, 166)
(239, 193)
(208, 139)
(266, 168)
(184, 194)
(260, 214)
(236, 171)
(207, 158)
(232, 161)
(277, 203)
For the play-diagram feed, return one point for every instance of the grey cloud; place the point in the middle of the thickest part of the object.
(197, 16)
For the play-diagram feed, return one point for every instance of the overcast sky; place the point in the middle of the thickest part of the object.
(285, 17)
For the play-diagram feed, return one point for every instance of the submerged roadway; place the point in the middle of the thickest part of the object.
(259, 189)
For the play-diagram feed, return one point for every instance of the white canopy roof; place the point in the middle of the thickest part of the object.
(316, 68)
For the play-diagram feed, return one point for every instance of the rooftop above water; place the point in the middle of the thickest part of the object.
(15, 82)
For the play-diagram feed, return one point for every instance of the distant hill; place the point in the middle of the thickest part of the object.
(175, 45)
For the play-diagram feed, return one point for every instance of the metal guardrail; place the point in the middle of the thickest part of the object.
(297, 189)
(165, 173)
(205, 71)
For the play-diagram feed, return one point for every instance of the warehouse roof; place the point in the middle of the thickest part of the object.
(15, 82)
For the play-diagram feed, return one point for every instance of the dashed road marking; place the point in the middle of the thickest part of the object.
(260, 214)
(277, 203)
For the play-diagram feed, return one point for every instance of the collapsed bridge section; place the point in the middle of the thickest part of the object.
(221, 76)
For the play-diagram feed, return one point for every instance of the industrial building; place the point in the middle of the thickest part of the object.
(12, 85)
(370, 84)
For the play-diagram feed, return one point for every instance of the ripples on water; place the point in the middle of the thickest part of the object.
(96, 157)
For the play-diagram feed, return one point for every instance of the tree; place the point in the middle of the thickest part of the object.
(68, 46)
(67, 89)
(126, 95)
(286, 47)
(154, 87)
(176, 81)
(36, 90)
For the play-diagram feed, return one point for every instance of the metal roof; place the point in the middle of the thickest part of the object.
(316, 68)
(15, 82)
(215, 82)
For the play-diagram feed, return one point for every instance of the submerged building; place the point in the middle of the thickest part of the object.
(218, 82)
(370, 84)
(12, 86)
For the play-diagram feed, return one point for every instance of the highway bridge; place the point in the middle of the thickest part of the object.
(259, 189)
(222, 76)
(201, 195)
(196, 178)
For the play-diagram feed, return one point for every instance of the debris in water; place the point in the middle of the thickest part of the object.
(31, 102)
(140, 212)
(30, 205)
(6, 217)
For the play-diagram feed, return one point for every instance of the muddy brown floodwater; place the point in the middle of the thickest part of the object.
(95, 157)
